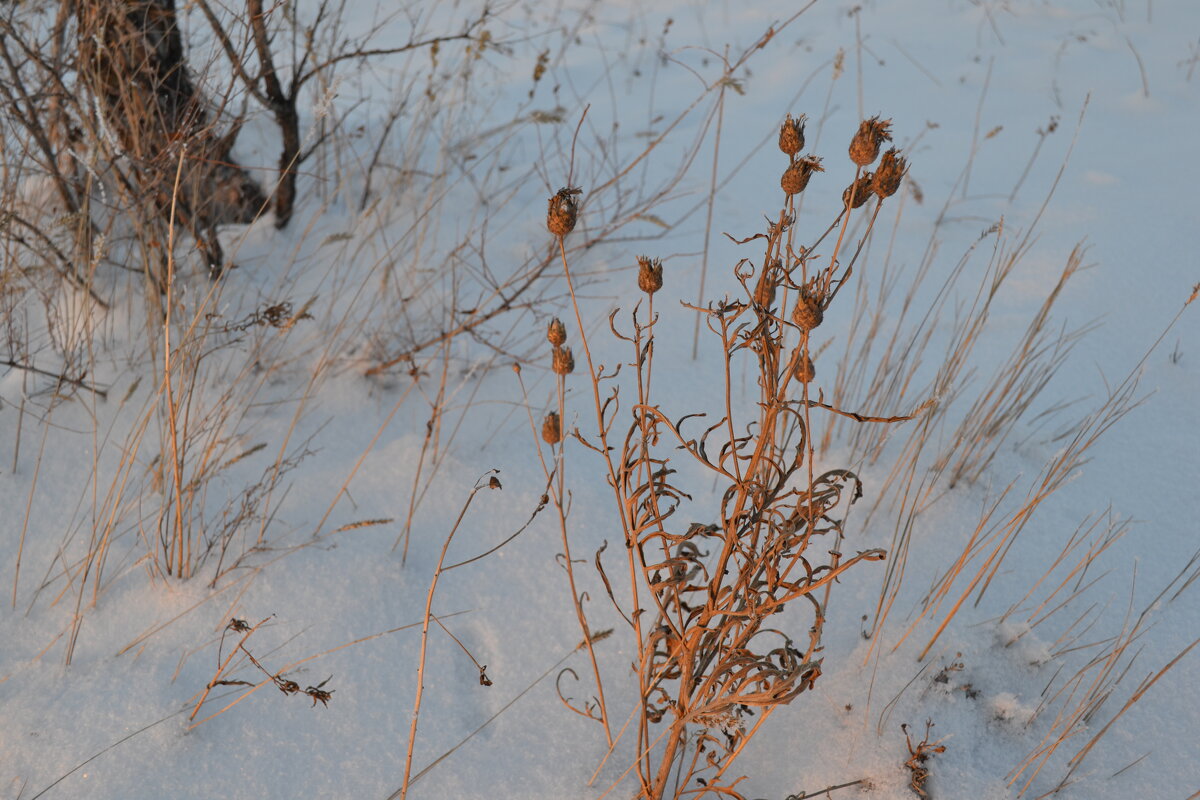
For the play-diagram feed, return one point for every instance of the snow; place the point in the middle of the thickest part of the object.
(115, 722)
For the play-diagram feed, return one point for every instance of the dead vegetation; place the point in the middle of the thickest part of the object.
(136, 176)
(702, 598)
(918, 758)
(318, 694)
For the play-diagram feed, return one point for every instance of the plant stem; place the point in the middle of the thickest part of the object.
(416, 713)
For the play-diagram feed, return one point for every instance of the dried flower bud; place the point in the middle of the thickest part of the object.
(795, 178)
(791, 135)
(807, 314)
(864, 147)
(552, 428)
(857, 193)
(764, 295)
(556, 332)
(649, 274)
(563, 212)
(764, 292)
(891, 170)
(564, 362)
(804, 370)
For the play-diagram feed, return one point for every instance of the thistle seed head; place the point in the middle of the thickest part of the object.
(857, 193)
(563, 212)
(791, 135)
(649, 274)
(796, 176)
(552, 428)
(807, 314)
(864, 147)
(891, 171)
(556, 332)
(563, 362)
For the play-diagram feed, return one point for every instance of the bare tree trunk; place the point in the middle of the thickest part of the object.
(131, 58)
(283, 107)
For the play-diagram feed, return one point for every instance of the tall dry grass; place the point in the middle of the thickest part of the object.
(125, 316)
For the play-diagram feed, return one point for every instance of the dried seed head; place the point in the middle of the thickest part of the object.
(796, 176)
(864, 147)
(563, 212)
(857, 193)
(804, 371)
(791, 135)
(552, 428)
(564, 362)
(556, 332)
(649, 274)
(807, 314)
(891, 170)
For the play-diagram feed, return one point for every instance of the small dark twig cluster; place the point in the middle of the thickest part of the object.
(273, 315)
(318, 693)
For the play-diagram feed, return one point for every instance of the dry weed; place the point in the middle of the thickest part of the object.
(713, 658)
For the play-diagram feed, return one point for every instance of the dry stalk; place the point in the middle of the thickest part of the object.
(1081, 697)
(491, 483)
(975, 435)
(987, 547)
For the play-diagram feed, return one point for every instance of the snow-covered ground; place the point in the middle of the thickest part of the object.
(971, 88)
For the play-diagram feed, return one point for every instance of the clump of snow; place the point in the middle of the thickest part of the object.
(1010, 711)
(1022, 643)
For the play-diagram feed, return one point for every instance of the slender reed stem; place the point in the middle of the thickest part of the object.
(437, 573)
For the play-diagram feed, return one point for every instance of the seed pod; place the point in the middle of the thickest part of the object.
(857, 193)
(796, 176)
(791, 135)
(552, 428)
(556, 332)
(804, 370)
(563, 211)
(807, 314)
(563, 362)
(891, 171)
(864, 147)
(649, 274)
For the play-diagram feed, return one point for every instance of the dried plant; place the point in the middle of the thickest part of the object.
(318, 693)
(918, 756)
(715, 656)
